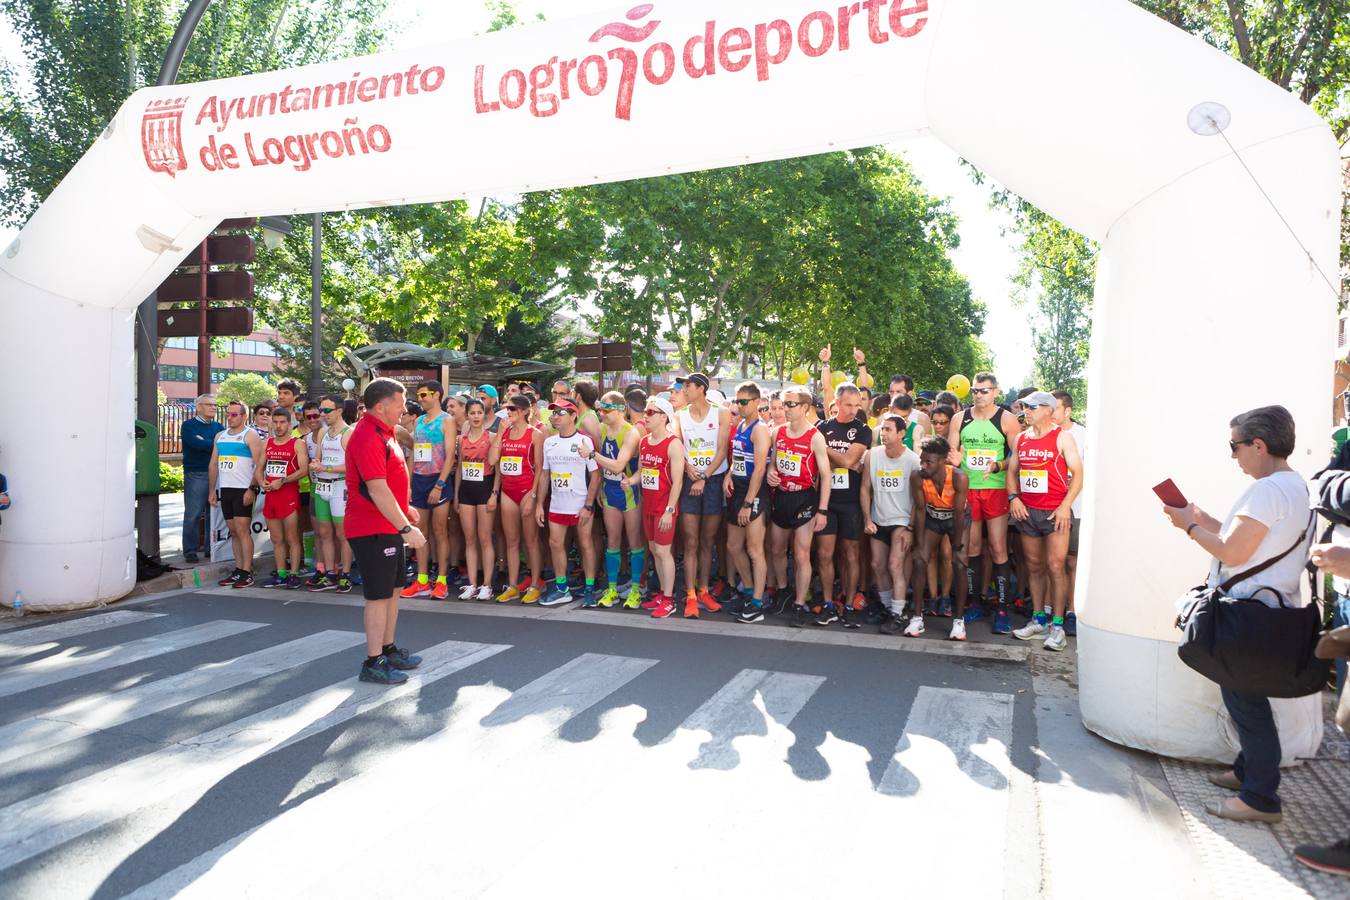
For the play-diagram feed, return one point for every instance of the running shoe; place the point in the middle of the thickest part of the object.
(848, 618)
(828, 616)
(1071, 625)
(1001, 624)
(293, 582)
(484, 593)
(1030, 630)
(559, 596)
(690, 605)
(609, 598)
(524, 584)
(329, 583)
(402, 659)
(316, 582)
(1056, 640)
(634, 598)
(532, 595)
(245, 580)
(751, 613)
(274, 581)
(859, 601)
(800, 616)
(440, 590)
(915, 627)
(230, 578)
(779, 601)
(651, 602)
(1334, 860)
(355, 576)
(945, 607)
(467, 592)
(511, 593)
(344, 584)
(665, 607)
(974, 612)
(416, 589)
(930, 607)
(893, 625)
(588, 598)
(706, 600)
(380, 672)
(876, 613)
(958, 630)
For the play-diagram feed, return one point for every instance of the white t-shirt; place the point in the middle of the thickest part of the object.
(567, 473)
(1280, 502)
(891, 500)
(1079, 435)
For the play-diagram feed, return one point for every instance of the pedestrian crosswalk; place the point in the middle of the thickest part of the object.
(494, 774)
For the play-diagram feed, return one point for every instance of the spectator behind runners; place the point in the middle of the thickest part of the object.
(379, 522)
(1264, 522)
(235, 458)
(198, 438)
(1063, 417)
(262, 420)
(488, 396)
(285, 460)
(288, 392)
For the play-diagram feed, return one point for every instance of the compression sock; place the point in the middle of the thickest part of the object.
(1058, 620)
(974, 579)
(422, 578)
(613, 559)
(561, 582)
(281, 573)
(637, 564)
(1002, 571)
(440, 579)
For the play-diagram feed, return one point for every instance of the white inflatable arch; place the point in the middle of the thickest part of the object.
(1206, 302)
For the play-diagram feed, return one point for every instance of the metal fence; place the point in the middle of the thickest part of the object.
(171, 419)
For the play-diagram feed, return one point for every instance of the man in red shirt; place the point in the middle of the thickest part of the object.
(379, 522)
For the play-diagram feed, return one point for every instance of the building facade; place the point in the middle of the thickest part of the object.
(178, 363)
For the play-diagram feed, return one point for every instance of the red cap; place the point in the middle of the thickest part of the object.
(566, 405)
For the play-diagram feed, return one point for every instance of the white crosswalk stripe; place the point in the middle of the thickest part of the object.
(477, 725)
(37, 639)
(182, 771)
(732, 712)
(72, 664)
(36, 735)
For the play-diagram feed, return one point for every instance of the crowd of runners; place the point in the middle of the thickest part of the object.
(820, 504)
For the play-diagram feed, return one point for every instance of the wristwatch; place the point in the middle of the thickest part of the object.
(406, 529)
(670, 509)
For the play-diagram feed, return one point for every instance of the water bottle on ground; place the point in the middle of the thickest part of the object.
(18, 604)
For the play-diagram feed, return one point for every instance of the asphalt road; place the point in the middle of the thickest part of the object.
(217, 744)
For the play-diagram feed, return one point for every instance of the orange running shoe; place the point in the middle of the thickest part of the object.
(440, 591)
(416, 589)
(705, 600)
(691, 605)
(859, 601)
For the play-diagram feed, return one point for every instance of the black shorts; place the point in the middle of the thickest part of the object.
(939, 526)
(476, 493)
(758, 507)
(885, 533)
(380, 559)
(1073, 536)
(1041, 524)
(793, 509)
(845, 522)
(232, 505)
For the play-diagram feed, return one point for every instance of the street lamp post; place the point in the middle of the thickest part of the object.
(316, 310)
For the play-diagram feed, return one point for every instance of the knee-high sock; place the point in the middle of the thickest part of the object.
(612, 560)
(1002, 571)
(974, 578)
(637, 561)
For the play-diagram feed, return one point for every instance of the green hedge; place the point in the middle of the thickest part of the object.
(170, 478)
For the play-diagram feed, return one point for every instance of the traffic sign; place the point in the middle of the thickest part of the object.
(223, 321)
(606, 356)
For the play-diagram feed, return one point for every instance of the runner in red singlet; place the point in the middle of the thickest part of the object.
(799, 457)
(1045, 474)
(660, 474)
(285, 461)
(522, 447)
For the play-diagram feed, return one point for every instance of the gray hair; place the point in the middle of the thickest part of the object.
(1271, 424)
(205, 398)
(947, 398)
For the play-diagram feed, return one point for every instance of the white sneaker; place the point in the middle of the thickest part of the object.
(1056, 639)
(1029, 631)
(485, 592)
(915, 626)
(467, 592)
(958, 630)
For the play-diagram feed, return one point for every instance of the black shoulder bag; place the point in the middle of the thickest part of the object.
(1246, 646)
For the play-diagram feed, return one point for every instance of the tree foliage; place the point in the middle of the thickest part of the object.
(248, 388)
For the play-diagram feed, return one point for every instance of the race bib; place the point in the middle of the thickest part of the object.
(790, 464)
(739, 467)
(562, 481)
(324, 489)
(980, 460)
(1035, 481)
(612, 476)
(891, 482)
(702, 459)
(651, 479)
(471, 471)
(276, 468)
(512, 465)
(839, 479)
(226, 464)
(422, 453)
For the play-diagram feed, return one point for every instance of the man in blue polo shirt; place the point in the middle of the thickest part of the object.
(198, 436)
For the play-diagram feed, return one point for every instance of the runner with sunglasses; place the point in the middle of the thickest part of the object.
(566, 487)
(328, 474)
(747, 494)
(522, 448)
(236, 456)
(617, 458)
(800, 457)
(474, 479)
(661, 461)
(982, 438)
(434, 438)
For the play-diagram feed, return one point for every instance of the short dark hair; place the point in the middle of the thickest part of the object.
(381, 389)
(1273, 425)
(587, 392)
(902, 402)
(308, 405)
(349, 410)
(334, 399)
(1063, 397)
(942, 409)
(284, 412)
(905, 380)
(896, 422)
(432, 386)
(947, 398)
(411, 408)
(472, 402)
(261, 407)
(989, 377)
(935, 446)
(749, 387)
(880, 403)
(289, 385)
(1026, 392)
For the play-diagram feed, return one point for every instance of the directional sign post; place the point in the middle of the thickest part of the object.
(605, 356)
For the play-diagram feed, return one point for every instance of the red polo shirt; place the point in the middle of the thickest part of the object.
(373, 453)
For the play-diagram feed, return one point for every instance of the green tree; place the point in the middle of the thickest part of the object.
(246, 387)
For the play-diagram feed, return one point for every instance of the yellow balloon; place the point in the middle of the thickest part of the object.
(866, 380)
(800, 375)
(959, 385)
(838, 378)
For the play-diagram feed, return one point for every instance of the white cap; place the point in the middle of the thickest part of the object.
(663, 405)
(717, 398)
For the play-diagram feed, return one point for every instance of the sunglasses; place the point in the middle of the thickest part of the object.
(793, 404)
(422, 395)
(653, 412)
(763, 409)
(981, 391)
(1233, 445)
(325, 410)
(312, 415)
(233, 415)
(743, 401)
(610, 406)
